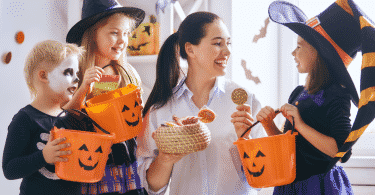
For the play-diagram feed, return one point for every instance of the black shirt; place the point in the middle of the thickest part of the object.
(23, 158)
(328, 112)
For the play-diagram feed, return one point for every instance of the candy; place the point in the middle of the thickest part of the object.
(239, 96)
(206, 115)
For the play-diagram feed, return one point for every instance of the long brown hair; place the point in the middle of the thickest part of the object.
(168, 70)
(318, 77)
(88, 61)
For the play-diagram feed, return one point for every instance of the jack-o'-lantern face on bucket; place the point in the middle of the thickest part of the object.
(256, 170)
(91, 159)
(131, 113)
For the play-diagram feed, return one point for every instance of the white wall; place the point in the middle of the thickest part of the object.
(39, 20)
(269, 58)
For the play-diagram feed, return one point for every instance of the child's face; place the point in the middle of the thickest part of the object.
(63, 79)
(112, 38)
(305, 56)
(214, 49)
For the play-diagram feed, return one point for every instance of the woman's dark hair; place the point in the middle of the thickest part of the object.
(191, 30)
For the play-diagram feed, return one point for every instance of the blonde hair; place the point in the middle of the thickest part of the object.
(51, 52)
(88, 61)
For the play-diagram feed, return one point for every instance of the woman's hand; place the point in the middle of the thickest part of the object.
(160, 170)
(92, 74)
(51, 152)
(289, 112)
(168, 159)
(242, 120)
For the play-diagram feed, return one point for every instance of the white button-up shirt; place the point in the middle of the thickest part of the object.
(215, 170)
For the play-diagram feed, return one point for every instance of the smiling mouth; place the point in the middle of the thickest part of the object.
(87, 168)
(133, 124)
(117, 50)
(256, 174)
(221, 62)
(72, 89)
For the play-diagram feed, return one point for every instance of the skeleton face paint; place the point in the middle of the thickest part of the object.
(63, 79)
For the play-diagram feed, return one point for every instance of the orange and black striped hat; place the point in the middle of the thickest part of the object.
(338, 33)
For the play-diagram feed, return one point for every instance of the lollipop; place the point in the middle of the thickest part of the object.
(239, 96)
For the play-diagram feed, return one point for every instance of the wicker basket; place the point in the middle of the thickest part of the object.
(183, 139)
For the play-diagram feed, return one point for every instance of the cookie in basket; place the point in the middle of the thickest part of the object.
(206, 115)
(185, 135)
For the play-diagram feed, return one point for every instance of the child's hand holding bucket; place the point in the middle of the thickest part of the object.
(291, 112)
(51, 152)
(266, 116)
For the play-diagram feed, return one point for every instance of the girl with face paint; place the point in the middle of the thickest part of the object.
(104, 31)
(29, 153)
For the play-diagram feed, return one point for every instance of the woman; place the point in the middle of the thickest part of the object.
(204, 41)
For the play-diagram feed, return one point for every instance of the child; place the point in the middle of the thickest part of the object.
(104, 31)
(29, 152)
(204, 41)
(320, 108)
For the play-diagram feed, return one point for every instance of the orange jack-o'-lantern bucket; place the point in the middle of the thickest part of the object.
(89, 154)
(118, 111)
(269, 161)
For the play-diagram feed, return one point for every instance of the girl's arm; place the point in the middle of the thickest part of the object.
(91, 75)
(78, 98)
(16, 162)
(322, 142)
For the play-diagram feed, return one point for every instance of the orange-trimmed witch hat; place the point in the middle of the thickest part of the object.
(338, 33)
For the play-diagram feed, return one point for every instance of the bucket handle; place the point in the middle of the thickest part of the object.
(96, 124)
(276, 112)
(116, 64)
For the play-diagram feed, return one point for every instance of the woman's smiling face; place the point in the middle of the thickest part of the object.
(214, 49)
(63, 79)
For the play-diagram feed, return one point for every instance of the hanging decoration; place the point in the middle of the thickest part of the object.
(162, 4)
(20, 37)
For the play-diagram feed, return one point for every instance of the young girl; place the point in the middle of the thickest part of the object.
(29, 152)
(104, 31)
(320, 108)
(204, 41)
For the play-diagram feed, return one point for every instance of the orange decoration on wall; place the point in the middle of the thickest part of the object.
(20, 37)
(145, 39)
